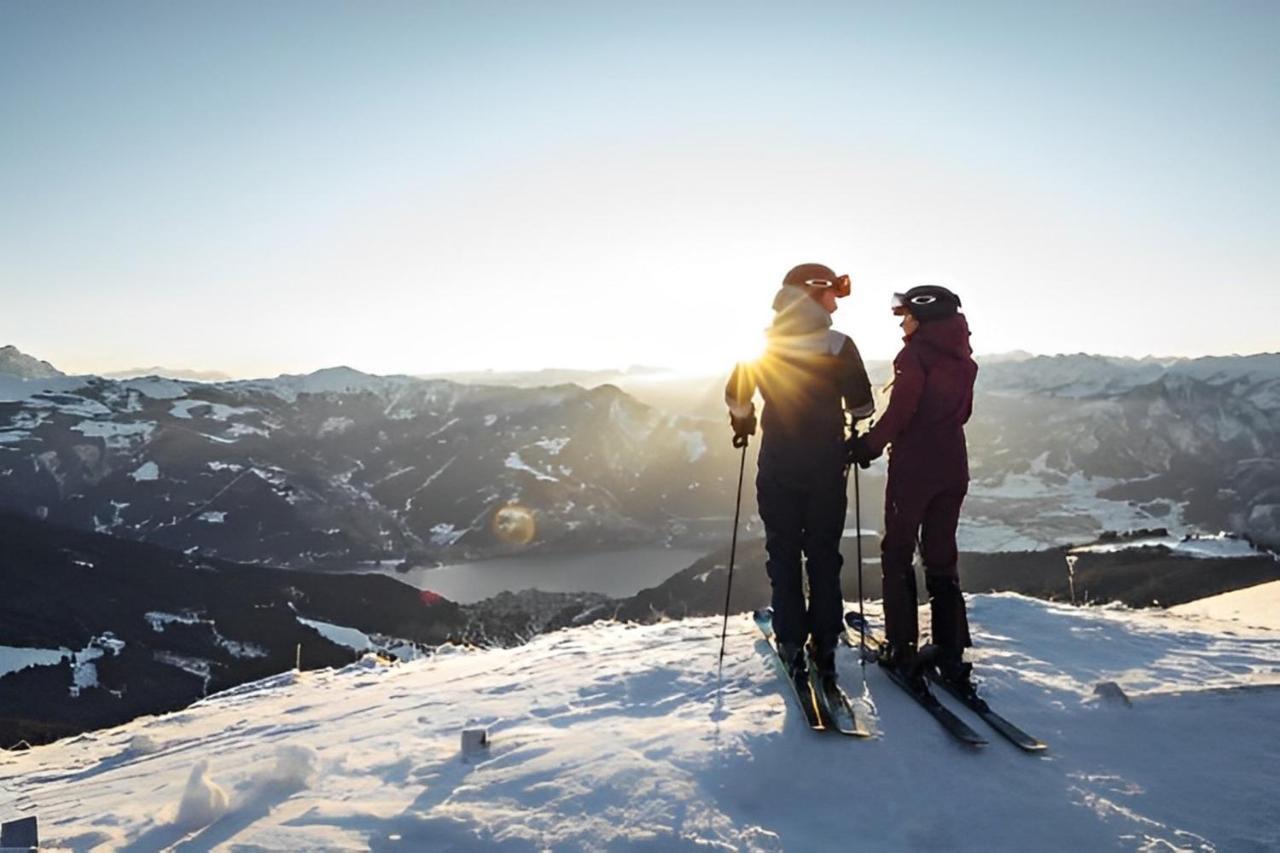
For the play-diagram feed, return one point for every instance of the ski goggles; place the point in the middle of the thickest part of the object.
(901, 303)
(840, 284)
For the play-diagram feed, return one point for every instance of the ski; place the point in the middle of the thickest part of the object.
(955, 726)
(972, 701)
(837, 709)
(803, 691)
(979, 706)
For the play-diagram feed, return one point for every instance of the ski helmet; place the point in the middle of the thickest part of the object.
(926, 302)
(818, 276)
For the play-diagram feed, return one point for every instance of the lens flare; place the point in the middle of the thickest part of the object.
(514, 524)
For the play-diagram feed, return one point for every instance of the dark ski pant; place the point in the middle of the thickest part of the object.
(804, 517)
(929, 517)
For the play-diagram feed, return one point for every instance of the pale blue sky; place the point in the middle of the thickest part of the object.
(405, 187)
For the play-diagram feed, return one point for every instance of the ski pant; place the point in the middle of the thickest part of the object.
(929, 517)
(804, 517)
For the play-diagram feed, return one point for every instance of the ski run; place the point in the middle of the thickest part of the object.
(620, 737)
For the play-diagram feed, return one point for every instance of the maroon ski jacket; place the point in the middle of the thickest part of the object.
(931, 401)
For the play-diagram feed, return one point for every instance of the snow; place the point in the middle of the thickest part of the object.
(203, 802)
(336, 425)
(216, 411)
(212, 517)
(514, 462)
(445, 535)
(158, 620)
(1222, 370)
(237, 430)
(330, 380)
(1256, 606)
(14, 658)
(15, 388)
(115, 434)
(644, 748)
(343, 636)
(156, 387)
(146, 471)
(1215, 547)
(552, 445)
(198, 667)
(1026, 512)
(84, 672)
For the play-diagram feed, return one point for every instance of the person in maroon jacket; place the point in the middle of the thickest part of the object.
(931, 400)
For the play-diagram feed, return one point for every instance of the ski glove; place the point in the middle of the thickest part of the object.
(742, 427)
(858, 451)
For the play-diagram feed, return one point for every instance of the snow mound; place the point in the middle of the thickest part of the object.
(143, 745)
(294, 770)
(616, 737)
(203, 801)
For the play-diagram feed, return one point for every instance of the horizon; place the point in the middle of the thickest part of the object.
(434, 188)
(638, 371)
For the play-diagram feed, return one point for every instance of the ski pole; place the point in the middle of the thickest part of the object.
(857, 520)
(733, 552)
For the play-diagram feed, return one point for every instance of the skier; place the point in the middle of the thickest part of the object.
(810, 376)
(931, 401)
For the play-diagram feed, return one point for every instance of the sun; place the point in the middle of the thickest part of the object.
(719, 353)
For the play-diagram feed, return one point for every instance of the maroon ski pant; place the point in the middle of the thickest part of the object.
(927, 516)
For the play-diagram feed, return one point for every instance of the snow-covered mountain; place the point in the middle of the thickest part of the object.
(618, 737)
(15, 362)
(1122, 443)
(338, 466)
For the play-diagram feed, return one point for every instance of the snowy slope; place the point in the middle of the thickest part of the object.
(619, 737)
(1258, 606)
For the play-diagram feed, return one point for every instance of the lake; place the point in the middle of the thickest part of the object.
(616, 573)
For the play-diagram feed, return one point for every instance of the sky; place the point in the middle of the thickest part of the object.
(421, 187)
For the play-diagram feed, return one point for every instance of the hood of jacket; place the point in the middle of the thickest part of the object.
(799, 323)
(949, 336)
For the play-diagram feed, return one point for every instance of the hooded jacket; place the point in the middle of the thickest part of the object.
(809, 376)
(931, 401)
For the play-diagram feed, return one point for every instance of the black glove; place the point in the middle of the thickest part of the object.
(742, 427)
(858, 451)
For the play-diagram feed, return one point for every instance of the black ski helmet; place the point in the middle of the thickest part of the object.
(926, 303)
(817, 276)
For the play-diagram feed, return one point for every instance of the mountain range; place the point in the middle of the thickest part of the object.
(338, 466)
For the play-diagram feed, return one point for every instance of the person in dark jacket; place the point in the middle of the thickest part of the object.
(811, 378)
(931, 400)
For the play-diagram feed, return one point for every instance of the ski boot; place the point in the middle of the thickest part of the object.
(795, 661)
(824, 665)
(823, 661)
(954, 671)
(908, 663)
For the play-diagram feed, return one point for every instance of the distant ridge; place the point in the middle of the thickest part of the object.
(15, 362)
(171, 373)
